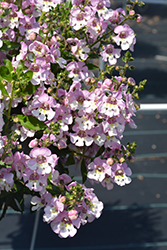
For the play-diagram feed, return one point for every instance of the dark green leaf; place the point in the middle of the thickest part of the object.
(31, 122)
(100, 151)
(91, 66)
(2, 88)
(115, 80)
(2, 215)
(19, 69)
(8, 64)
(83, 171)
(8, 45)
(41, 33)
(4, 29)
(28, 90)
(5, 13)
(5, 73)
(28, 75)
(70, 160)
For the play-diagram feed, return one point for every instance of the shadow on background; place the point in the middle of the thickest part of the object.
(144, 50)
(113, 229)
(156, 82)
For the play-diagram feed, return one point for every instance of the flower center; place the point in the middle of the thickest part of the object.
(80, 17)
(111, 100)
(38, 47)
(100, 6)
(76, 71)
(100, 168)
(35, 67)
(119, 172)
(34, 177)
(66, 220)
(45, 106)
(28, 26)
(41, 159)
(122, 34)
(81, 133)
(109, 51)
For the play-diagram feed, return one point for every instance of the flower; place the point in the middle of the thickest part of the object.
(110, 53)
(125, 38)
(98, 169)
(42, 160)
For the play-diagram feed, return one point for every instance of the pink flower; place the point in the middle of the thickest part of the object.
(114, 16)
(79, 48)
(78, 71)
(42, 161)
(63, 226)
(110, 53)
(35, 181)
(6, 179)
(40, 202)
(79, 18)
(81, 138)
(53, 209)
(121, 174)
(98, 169)
(125, 38)
(42, 107)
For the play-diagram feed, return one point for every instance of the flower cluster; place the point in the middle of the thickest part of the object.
(58, 109)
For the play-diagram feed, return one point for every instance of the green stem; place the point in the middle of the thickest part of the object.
(108, 33)
(42, 15)
(9, 110)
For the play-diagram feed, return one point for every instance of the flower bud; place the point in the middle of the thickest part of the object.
(107, 83)
(15, 119)
(131, 12)
(110, 161)
(33, 143)
(122, 159)
(4, 5)
(131, 81)
(32, 36)
(73, 214)
(19, 146)
(62, 199)
(28, 11)
(139, 18)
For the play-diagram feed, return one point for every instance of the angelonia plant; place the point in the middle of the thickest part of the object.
(60, 111)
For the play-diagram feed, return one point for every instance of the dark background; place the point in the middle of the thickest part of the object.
(135, 216)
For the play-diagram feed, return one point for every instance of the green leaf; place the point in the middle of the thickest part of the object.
(5, 13)
(143, 83)
(91, 66)
(31, 122)
(68, 4)
(70, 160)
(2, 88)
(19, 70)
(2, 215)
(8, 45)
(41, 33)
(5, 73)
(83, 171)
(8, 64)
(28, 90)
(100, 151)
(115, 80)
(4, 29)
(28, 75)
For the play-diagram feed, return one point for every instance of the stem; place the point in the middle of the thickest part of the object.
(109, 32)
(42, 15)
(9, 110)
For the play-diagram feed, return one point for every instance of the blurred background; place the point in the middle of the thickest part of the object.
(135, 216)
